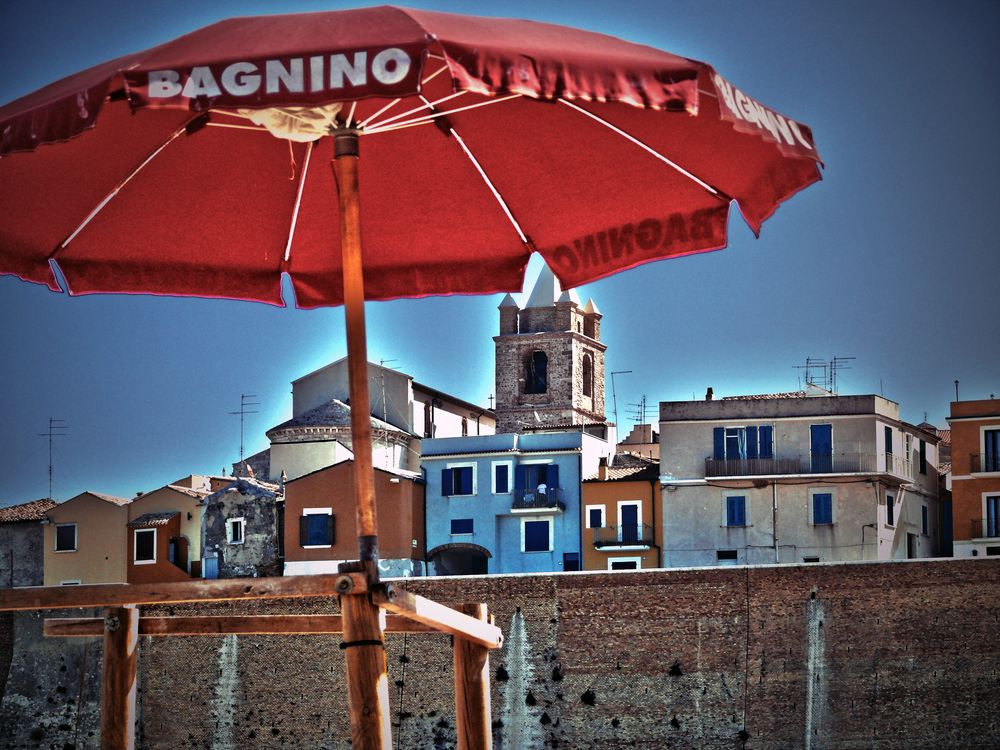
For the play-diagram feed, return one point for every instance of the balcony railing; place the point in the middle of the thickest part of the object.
(835, 463)
(983, 462)
(985, 528)
(627, 535)
(529, 500)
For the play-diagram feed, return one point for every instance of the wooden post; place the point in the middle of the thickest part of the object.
(472, 688)
(118, 681)
(364, 644)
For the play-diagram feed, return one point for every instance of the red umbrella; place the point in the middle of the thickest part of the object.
(483, 140)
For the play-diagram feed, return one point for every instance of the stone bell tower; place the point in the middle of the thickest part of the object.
(549, 360)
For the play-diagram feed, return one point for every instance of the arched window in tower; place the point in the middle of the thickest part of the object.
(536, 373)
(588, 376)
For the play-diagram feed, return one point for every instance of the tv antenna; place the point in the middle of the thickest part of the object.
(55, 430)
(383, 363)
(244, 403)
(641, 410)
(614, 396)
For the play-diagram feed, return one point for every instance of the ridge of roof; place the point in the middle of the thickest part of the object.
(34, 510)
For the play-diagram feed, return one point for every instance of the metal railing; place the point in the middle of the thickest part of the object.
(983, 462)
(551, 499)
(834, 463)
(985, 528)
(626, 535)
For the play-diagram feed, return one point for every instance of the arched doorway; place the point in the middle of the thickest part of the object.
(459, 559)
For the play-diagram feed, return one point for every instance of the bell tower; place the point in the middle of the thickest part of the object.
(549, 360)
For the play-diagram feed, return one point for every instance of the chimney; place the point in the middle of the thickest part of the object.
(708, 394)
(602, 469)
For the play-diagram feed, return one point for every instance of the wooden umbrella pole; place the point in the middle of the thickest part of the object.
(364, 643)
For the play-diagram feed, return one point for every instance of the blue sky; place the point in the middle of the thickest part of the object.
(887, 260)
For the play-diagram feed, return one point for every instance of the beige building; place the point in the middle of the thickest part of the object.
(796, 477)
(85, 540)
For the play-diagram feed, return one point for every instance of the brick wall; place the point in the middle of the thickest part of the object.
(874, 655)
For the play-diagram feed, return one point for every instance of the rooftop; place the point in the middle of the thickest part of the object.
(31, 511)
(153, 519)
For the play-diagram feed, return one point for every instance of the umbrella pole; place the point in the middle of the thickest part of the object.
(363, 644)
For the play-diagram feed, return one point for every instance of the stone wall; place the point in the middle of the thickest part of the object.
(873, 655)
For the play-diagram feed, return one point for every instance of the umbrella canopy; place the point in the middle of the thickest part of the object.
(482, 141)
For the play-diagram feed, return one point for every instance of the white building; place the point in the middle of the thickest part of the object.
(795, 477)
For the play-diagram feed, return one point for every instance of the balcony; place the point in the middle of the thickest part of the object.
(980, 463)
(836, 463)
(985, 529)
(631, 536)
(535, 501)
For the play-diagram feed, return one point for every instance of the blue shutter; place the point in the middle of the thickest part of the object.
(520, 478)
(465, 480)
(501, 480)
(822, 508)
(447, 482)
(751, 442)
(766, 433)
(552, 475)
(719, 440)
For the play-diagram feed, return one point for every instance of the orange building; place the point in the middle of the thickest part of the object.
(156, 549)
(321, 527)
(622, 517)
(975, 477)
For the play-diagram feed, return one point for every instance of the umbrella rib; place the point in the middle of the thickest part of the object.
(298, 201)
(397, 100)
(426, 105)
(714, 191)
(128, 178)
(489, 184)
(429, 118)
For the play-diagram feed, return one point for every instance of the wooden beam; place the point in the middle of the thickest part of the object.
(473, 723)
(438, 616)
(118, 680)
(88, 627)
(179, 592)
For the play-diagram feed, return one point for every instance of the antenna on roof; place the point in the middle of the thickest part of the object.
(836, 365)
(54, 426)
(244, 403)
(614, 396)
(641, 410)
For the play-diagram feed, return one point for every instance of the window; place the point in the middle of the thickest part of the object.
(531, 477)
(77, 582)
(501, 477)
(923, 520)
(907, 446)
(145, 546)
(734, 443)
(595, 516)
(890, 510)
(588, 376)
(458, 479)
(317, 528)
(810, 559)
(536, 373)
(822, 508)
(736, 510)
(625, 563)
(234, 530)
(465, 427)
(993, 516)
(66, 537)
(536, 535)
(821, 448)
(726, 557)
(992, 551)
(630, 522)
(571, 561)
(428, 419)
(923, 457)
(991, 450)
(461, 526)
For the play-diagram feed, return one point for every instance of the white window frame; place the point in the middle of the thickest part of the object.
(135, 546)
(636, 560)
(982, 450)
(317, 512)
(71, 582)
(475, 480)
(833, 506)
(76, 537)
(229, 529)
(552, 523)
(726, 494)
(586, 518)
(493, 477)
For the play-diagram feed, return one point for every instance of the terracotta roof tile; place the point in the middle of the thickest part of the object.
(765, 396)
(109, 498)
(33, 511)
(153, 519)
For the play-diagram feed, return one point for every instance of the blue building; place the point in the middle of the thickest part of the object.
(507, 503)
